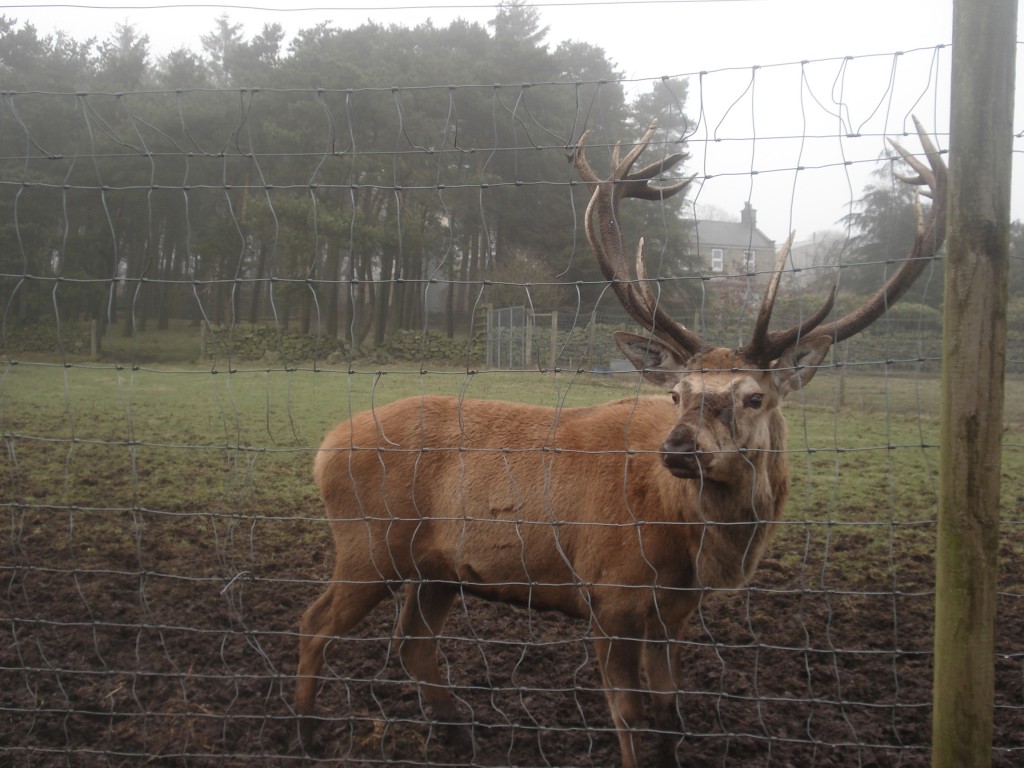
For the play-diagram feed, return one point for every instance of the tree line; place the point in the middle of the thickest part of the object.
(346, 183)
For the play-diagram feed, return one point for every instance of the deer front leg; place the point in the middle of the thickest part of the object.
(619, 661)
(661, 665)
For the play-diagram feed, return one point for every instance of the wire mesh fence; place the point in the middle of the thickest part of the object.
(199, 283)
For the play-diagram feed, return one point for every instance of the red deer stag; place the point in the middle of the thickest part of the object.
(621, 515)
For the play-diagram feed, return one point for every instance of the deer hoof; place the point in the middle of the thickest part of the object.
(307, 727)
(458, 737)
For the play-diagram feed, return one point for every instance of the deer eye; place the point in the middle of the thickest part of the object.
(753, 401)
(675, 396)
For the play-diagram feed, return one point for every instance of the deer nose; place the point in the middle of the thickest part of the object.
(679, 453)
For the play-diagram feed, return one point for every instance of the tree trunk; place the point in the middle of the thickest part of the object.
(256, 298)
(330, 288)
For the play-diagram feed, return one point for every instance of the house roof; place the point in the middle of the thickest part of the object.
(731, 234)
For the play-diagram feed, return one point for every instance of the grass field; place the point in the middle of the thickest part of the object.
(122, 481)
(237, 430)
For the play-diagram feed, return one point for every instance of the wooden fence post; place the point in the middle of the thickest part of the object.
(95, 339)
(973, 365)
(528, 339)
(554, 339)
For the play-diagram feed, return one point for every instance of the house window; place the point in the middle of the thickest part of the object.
(717, 260)
(749, 262)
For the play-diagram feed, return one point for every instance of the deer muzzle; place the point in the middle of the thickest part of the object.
(680, 455)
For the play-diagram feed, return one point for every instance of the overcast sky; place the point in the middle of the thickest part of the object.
(736, 42)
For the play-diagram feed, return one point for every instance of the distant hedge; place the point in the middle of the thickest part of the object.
(72, 339)
(274, 346)
(908, 338)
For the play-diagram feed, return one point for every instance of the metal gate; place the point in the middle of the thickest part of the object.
(507, 338)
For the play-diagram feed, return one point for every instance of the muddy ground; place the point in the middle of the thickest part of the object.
(164, 647)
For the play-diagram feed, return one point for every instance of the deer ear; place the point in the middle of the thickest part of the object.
(799, 363)
(659, 363)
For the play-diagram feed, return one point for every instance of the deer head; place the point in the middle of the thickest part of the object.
(727, 400)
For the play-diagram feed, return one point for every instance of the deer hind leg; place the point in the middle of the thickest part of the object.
(619, 661)
(341, 606)
(424, 612)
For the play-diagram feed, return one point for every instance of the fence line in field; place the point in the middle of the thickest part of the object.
(183, 322)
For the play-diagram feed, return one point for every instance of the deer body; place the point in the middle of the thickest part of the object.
(524, 504)
(622, 514)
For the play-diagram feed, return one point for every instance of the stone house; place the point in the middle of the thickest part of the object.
(733, 248)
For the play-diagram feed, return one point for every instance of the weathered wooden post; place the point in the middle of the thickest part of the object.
(554, 339)
(591, 341)
(973, 364)
(528, 340)
(95, 339)
(491, 363)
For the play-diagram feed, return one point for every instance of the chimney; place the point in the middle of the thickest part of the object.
(748, 215)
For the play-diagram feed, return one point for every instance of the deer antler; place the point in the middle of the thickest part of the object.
(928, 240)
(602, 228)
(766, 346)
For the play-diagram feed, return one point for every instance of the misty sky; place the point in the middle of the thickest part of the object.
(828, 116)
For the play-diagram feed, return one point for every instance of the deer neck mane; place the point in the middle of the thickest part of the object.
(730, 524)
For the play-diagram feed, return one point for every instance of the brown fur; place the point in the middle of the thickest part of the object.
(571, 510)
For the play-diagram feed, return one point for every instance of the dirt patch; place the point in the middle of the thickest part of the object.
(171, 649)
